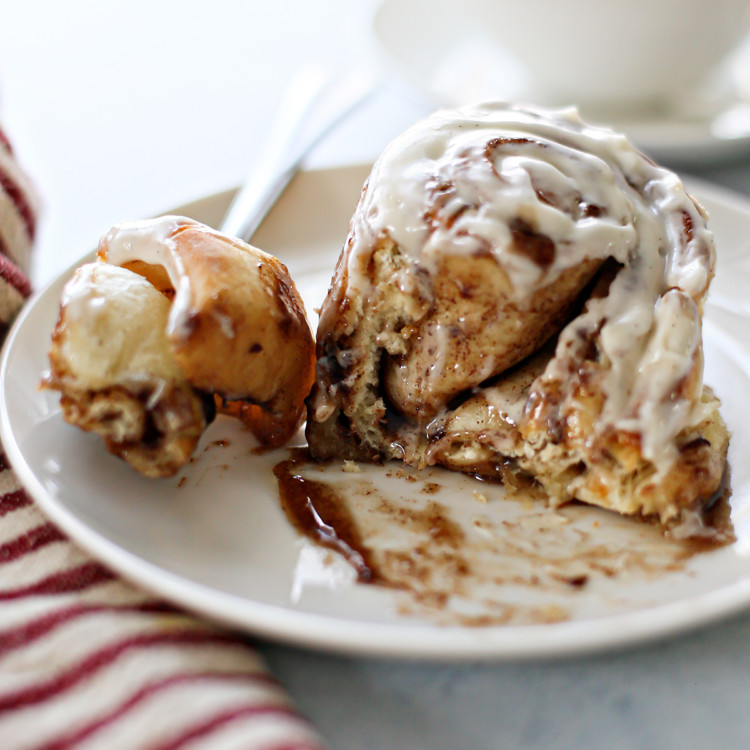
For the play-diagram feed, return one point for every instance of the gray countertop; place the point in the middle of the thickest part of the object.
(686, 692)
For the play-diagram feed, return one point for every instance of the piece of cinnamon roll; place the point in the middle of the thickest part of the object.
(173, 321)
(520, 294)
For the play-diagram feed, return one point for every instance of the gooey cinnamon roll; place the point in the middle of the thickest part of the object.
(520, 296)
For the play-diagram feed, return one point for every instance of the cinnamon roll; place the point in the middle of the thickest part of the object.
(172, 322)
(520, 296)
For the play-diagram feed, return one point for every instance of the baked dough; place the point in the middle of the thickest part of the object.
(117, 375)
(172, 322)
(520, 295)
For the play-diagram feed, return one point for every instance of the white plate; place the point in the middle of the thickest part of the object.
(447, 55)
(216, 541)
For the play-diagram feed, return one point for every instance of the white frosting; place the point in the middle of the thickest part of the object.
(459, 182)
(153, 241)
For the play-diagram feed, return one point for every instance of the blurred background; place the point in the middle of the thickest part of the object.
(123, 110)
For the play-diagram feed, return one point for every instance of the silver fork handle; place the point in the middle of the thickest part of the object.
(313, 104)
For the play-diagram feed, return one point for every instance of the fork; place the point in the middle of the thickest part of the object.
(315, 101)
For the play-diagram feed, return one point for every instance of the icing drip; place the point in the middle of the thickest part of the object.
(152, 241)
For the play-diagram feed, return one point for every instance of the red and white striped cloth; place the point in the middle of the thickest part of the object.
(88, 661)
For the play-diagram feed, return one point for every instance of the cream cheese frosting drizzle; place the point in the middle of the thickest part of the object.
(152, 241)
(467, 182)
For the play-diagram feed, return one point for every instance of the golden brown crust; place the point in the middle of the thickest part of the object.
(247, 338)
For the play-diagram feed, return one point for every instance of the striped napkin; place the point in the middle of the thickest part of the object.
(88, 661)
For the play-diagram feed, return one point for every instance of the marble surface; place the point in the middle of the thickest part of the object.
(122, 111)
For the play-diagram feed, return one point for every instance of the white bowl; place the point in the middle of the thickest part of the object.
(615, 53)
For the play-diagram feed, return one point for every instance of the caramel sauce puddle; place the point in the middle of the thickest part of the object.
(319, 512)
(439, 566)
